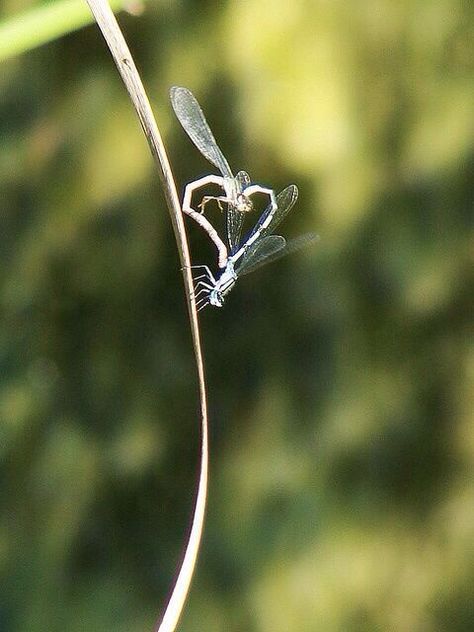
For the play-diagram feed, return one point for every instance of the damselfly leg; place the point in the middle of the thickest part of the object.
(207, 198)
(203, 285)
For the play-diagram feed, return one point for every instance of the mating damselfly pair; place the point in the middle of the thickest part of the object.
(259, 247)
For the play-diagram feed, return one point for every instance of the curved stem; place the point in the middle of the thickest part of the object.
(126, 66)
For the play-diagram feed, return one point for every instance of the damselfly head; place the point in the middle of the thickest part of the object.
(215, 298)
(243, 203)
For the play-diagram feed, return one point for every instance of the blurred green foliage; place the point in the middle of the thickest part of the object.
(341, 490)
(42, 23)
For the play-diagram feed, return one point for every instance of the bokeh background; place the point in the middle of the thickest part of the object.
(340, 379)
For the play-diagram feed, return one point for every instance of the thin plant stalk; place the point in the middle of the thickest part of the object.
(126, 66)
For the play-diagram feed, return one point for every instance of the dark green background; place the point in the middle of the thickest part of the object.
(340, 379)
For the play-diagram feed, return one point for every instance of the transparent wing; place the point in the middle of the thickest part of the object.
(235, 218)
(270, 217)
(192, 118)
(259, 252)
(271, 248)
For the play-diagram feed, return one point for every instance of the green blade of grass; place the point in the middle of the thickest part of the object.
(44, 24)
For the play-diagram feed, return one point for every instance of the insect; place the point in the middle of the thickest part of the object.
(258, 248)
(237, 189)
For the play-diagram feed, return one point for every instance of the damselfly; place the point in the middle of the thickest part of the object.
(258, 248)
(237, 189)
